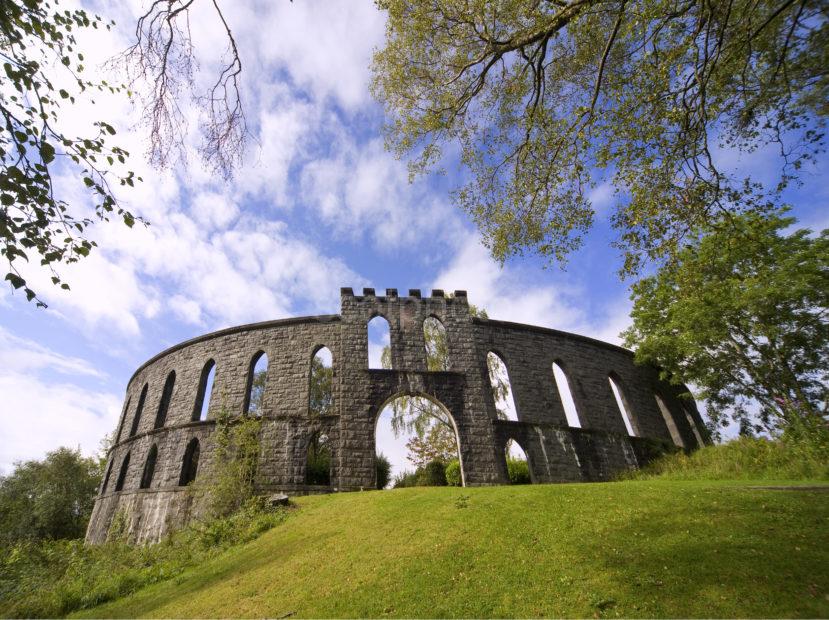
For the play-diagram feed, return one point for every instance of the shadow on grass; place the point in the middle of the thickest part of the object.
(749, 555)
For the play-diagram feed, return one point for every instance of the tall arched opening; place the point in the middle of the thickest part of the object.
(501, 387)
(418, 436)
(437, 346)
(205, 391)
(318, 461)
(257, 381)
(622, 402)
(566, 396)
(518, 463)
(321, 384)
(379, 343)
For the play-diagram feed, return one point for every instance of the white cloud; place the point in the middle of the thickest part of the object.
(40, 416)
(324, 46)
(364, 190)
(601, 199)
(212, 210)
(26, 356)
(508, 294)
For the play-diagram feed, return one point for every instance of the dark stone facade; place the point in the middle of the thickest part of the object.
(556, 451)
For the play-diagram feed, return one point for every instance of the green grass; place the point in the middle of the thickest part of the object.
(624, 549)
(50, 578)
(745, 458)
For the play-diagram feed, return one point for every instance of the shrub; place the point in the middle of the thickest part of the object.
(518, 471)
(230, 483)
(743, 458)
(51, 498)
(406, 479)
(453, 473)
(52, 578)
(383, 471)
(318, 463)
(433, 474)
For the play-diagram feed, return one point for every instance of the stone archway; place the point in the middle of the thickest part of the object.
(416, 403)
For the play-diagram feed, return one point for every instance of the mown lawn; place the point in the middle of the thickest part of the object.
(630, 549)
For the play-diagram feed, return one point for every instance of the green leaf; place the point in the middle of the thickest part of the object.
(16, 280)
(47, 152)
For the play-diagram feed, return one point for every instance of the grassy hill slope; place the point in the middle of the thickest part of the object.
(634, 548)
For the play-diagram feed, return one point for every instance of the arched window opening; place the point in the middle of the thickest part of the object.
(437, 347)
(624, 408)
(669, 421)
(122, 474)
(379, 343)
(190, 463)
(205, 391)
(257, 379)
(149, 468)
(321, 388)
(416, 444)
(164, 404)
(694, 428)
(518, 465)
(318, 463)
(137, 417)
(566, 396)
(122, 422)
(106, 478)
(501, 388)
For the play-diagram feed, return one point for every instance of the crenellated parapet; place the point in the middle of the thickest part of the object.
(619, 414)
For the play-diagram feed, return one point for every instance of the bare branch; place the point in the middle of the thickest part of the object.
(161, 64)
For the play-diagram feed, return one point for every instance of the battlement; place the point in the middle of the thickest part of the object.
(458, 296)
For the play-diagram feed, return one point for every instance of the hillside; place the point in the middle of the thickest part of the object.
(635, 548)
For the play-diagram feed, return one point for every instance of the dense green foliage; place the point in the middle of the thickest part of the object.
(746, 458)
(383, 467)
(431, 474)
(51, 498)
(232, 474)
(318, 464)
(547, 99)
(744, 316)
(518, 471)
(453, 473)
(52, 578)
(655, 548)
(321, 391)
(43, 74)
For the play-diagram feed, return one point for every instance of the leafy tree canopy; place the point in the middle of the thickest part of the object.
(545, 99)
(743, 316)
(49, 499)
(43, 75)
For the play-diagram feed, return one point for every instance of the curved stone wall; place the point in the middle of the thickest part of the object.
(556, 451)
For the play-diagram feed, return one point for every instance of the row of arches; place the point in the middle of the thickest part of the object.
(437, 359)
(187, 473)
(318, 464)
(434, 339)
(320, 400)
(505, 404)
(204, 393)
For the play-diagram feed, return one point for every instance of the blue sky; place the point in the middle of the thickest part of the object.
(317, 205)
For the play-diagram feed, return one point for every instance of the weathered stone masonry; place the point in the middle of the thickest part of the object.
(556, 451)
